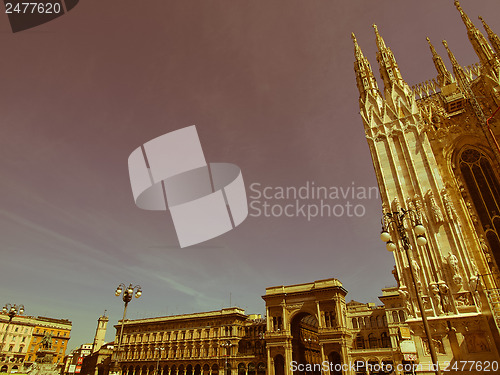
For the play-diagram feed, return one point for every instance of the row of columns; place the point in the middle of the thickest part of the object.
(180, 352)
(184, 371)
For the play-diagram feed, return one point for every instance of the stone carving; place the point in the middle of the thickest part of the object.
(409, 204)
(436, 214)
(486, 250)
(418, 204)
(395, 274)
(406, 301)
(438, 345)
(461, 187)
(448, 206)
(463, 299)
(475, 270)
(436, 297)
(484, 246)
(453, 263)
(395, 206)
(445, 296)
(416, 270)
(472, 213)
(473, 284)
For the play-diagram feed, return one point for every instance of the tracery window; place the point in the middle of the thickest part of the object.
(484, 190)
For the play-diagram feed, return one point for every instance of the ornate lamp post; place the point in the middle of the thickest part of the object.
(159, 350)
(11, 311)
(397, 220)
(226, 345)
(128, 293)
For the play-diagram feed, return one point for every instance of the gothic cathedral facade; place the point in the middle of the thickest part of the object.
(435, 153)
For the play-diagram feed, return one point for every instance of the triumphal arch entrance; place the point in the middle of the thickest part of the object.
(306, 328)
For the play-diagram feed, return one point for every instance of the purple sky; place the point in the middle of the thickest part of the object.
(271, 87)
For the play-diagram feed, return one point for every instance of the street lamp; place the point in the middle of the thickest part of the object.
(128, 293)
(11, 311)
(158, 362)
(397, 220)
(226, 345)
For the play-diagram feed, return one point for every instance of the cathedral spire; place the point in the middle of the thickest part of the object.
(364, 74)
(380, 41)
(494, 39)
(357, 49)
(477, 39)
(444, 76)
(464, 85)
(457, 69)
(389, 69)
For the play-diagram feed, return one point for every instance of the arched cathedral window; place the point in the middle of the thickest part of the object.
(484, 190)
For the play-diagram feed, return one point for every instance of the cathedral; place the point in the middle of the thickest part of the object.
(436, 157)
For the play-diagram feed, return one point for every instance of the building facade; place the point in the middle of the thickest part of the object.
(436, 158)
(22, 337)
(16, 337)
(435, 154)
(58, 330)
(209, 343)
(308, 329)
(74, 361)
(99, 362)
(312, 330)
